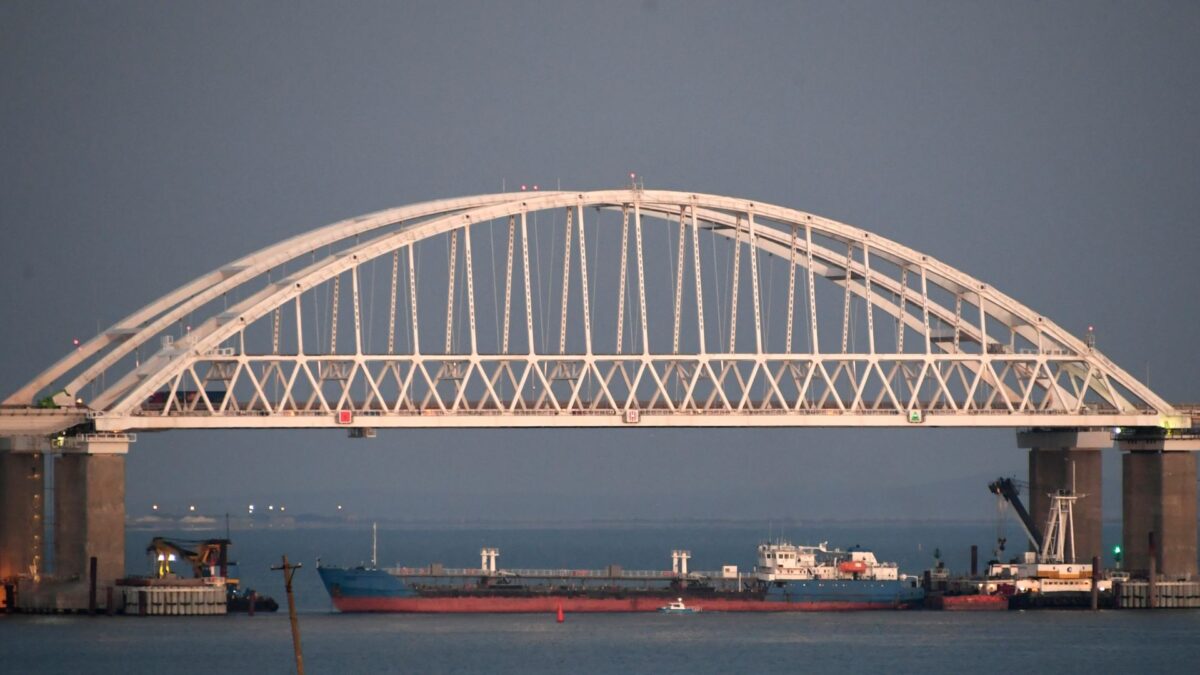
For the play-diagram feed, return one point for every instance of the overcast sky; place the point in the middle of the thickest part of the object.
(1049, 149)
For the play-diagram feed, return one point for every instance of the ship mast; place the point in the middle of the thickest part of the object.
(1060, 524)
(374, 543)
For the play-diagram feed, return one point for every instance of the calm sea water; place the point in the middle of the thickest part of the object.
(915, 641)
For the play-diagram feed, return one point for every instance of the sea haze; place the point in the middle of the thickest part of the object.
(931, 643)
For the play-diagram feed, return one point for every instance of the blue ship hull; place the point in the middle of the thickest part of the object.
(371, 590)
(850, 592)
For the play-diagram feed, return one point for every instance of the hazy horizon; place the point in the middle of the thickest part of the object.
(1051, 150)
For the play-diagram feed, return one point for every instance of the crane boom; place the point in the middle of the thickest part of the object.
(209, 559)
(1006, 489)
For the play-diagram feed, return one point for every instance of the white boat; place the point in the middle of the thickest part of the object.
(677, 607)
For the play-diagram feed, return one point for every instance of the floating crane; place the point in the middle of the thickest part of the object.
(210, 559)
(1049, 575)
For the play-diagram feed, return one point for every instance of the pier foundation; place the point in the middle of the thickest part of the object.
(89, 520)
(1159, 491)
(1068, 460)
(89, 508)
(22, 511)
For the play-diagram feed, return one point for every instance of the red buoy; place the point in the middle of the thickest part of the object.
(560, 613)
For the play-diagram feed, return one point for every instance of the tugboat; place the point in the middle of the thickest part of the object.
(678, 607)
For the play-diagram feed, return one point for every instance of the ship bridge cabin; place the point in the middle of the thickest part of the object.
(783, 561)
(780, 560)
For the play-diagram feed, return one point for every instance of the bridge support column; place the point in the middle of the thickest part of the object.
(22, 511)
(1159, 490)
(89, 517)
(1068, 460)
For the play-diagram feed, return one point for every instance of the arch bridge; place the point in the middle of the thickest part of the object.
(611, 308)
(587, 309)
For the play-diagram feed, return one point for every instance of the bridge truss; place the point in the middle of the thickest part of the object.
(585, 309)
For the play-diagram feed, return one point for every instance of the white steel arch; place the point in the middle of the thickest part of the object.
(945, 349)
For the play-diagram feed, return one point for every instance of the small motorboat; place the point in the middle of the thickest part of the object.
(678, 607)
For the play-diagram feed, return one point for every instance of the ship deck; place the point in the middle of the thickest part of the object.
(614, 573)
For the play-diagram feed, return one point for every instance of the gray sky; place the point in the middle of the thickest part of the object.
(1050, 149)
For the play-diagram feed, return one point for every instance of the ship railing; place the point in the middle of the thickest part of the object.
(599, 574)
(552, 573)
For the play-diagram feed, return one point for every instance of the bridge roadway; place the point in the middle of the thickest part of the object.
(869, 333)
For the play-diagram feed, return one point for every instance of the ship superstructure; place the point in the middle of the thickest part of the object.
(784, 561)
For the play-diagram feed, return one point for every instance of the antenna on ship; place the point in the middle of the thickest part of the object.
(374, 543)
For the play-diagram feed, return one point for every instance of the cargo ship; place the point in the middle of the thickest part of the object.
(787, 578)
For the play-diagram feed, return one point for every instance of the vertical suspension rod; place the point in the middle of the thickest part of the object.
(299, 330)
(982, 325)
(583, 272)
(699, 284)
(957, 319)
(867, 297)
(737, 277)
(791, 290)
(753, 248)
(275, 329)
(985, 373)
(812, 292)
(508, 269)
(357, 310)
(925, 311)
(333, 320)
(679, 279)
(566, 283)
(902, 303)
(451, 274)
(391, 346)
(622, 282)
(470, 288)
(412, 299)
(525, 271)
(637, 227)
(846, 301)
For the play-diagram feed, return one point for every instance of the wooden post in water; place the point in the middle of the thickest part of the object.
(1151, 585)
(1095, 582)
(92, 586)
(288, 572)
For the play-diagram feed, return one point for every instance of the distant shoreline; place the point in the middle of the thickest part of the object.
(308, 522)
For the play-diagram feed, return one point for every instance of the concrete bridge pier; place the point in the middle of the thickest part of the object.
(1068, 460)
(22, 511)
(89, 517)
(1159, 491)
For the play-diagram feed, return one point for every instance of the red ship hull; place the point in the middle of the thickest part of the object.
(549, 604)
(969, 603)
